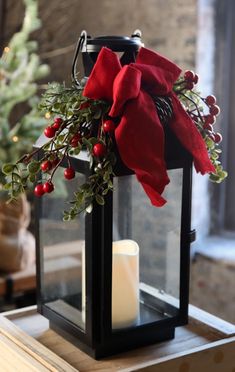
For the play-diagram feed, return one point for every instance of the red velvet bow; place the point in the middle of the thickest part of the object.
(140, 135)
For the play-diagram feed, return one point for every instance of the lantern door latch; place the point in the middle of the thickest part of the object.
(192, 235)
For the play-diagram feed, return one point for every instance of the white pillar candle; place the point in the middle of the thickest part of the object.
(125, 284)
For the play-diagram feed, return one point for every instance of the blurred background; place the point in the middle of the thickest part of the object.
(195, 34)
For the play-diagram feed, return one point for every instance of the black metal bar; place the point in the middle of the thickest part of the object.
(39, 252)
(9, 289)
(185, 239)
(106, 275)
(93, 265)
(2, 24)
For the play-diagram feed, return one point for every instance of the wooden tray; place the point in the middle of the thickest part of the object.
(27, 344)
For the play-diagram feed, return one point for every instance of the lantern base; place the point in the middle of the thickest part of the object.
(121, 344)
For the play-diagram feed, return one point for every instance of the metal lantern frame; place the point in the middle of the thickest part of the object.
(99, 339)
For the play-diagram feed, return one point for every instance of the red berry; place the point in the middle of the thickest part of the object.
(84, 105)
(189, 75)
(208, 127)
(99, 150)
(74, 143)
(210, 100)
(38, 190)
(46, 166)
(48, 187)
(218, 137)
(57, 123)
(69, 173)
(109, 126)
(49, 132)
(56, 126)
(196, 78)
(75, 139)
(189, 85)
(214, 110)
(55, 162)
(212, 136)
(58, 120)
(209, 119)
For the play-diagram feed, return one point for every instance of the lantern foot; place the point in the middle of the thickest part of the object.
(120, 343)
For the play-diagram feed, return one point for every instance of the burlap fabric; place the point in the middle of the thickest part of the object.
(17, 244)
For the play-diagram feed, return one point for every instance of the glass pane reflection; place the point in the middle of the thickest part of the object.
(62, 244)
(157, 233)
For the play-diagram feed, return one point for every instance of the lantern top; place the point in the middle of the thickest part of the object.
(116, 43)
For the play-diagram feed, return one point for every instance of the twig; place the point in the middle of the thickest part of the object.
(57, 52)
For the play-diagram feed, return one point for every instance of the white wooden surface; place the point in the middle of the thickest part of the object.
(206, 344)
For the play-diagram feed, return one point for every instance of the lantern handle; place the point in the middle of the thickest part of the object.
(80, 43)
(137, 33)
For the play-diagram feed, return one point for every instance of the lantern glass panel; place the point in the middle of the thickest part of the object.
(146, 253)
(62, 245)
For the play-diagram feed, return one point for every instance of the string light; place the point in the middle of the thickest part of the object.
(47, 115)
(15, 139)
(6, 49)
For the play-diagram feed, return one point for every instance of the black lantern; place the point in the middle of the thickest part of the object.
(120, 276)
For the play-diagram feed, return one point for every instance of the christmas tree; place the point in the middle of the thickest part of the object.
(20, 69)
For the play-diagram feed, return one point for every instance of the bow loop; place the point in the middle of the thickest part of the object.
(100, 82)
(158, 72)
(126, 86)
(150, 58)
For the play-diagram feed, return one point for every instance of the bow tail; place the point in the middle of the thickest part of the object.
(140, 141)
(189, 136)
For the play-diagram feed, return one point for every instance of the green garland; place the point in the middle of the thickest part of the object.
(83, 124)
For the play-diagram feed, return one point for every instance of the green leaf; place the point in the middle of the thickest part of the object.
(79, 197)
(210, 143)
(33, 167)
(87, 143)
(97, 114)
(99, 199)
(66, 217)
(16, 193)
(105, 192)
(110, 184)
(93, 140)
(214, 177)
(77, 149)
(106, 176)
(214, 155)
(8, 168)
(7, 186)
(32, 178)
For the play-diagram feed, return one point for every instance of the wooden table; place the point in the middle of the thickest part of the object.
(206, 344)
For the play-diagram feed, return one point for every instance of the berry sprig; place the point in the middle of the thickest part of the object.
(83, 124)
(203, 111)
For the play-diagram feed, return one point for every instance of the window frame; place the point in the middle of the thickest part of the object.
(222, 200)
